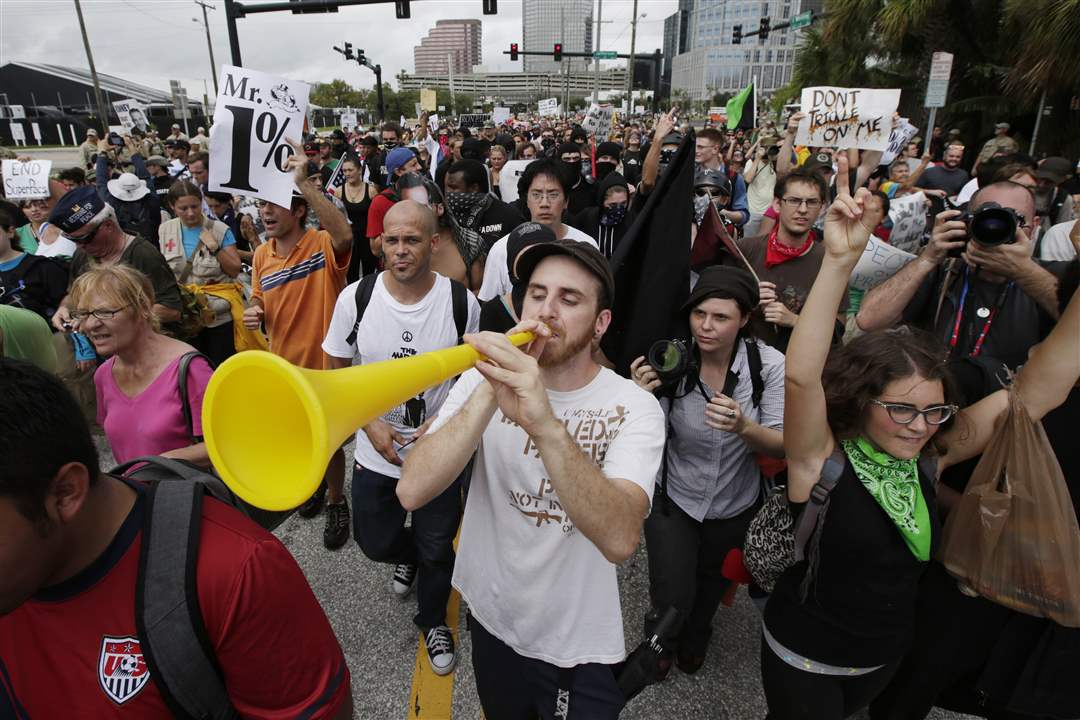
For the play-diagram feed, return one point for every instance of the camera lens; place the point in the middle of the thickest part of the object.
(993, 226)
(668, 358)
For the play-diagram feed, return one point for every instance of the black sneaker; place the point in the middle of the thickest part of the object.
(314, 504)
(336, 533)
(440, 650)
(404, 578)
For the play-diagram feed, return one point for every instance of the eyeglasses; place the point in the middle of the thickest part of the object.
(88, 238)
(100, 313)
(550, 195)
(906, 414)
(795, 203)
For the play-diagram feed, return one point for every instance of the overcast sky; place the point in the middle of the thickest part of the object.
(153, 41)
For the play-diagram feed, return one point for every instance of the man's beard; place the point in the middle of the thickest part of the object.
(552, 357)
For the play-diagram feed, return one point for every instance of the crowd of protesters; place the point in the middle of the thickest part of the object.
(123, 290)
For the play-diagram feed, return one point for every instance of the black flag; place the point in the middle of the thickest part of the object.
(651, 266)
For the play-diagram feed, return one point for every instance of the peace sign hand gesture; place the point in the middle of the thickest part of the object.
(850, 220)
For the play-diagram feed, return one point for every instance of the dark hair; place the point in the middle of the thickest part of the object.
(203, 157)
(9, 214)
(391, 127)
(183, 188)
(711, 134)
(885, 202)
(73, 174)
(219, 197)
(548, 167)
(41, 430)
(802, 175)
(474, 171)
(858, 372)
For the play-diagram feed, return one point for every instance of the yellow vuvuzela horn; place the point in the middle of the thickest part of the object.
(271, 426)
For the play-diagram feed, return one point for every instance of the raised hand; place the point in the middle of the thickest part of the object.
(849, 220)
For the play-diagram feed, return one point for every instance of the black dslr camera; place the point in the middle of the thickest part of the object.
(115, 140)
(670, 359)
(992, 224)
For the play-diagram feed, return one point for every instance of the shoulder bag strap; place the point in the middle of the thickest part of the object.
(459, 297)
(170, 626)
(819, 496)
(363, 297)
(185, 399)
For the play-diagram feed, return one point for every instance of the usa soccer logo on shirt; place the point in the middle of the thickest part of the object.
(122, 670)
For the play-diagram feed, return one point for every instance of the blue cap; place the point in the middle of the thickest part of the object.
(76, 208)
(398, 157)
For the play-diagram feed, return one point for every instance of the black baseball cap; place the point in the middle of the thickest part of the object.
(521, 237)
(585, 253)
(724, 281)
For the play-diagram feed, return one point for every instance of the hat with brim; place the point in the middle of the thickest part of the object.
(128, 187)
(821, 162)
(76, 208)
(397, 158)
(159, 160)
(1054, 169)
(525, 235)
(585, 253)
(723, 281)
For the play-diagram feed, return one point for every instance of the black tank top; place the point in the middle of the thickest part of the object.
(357, 211)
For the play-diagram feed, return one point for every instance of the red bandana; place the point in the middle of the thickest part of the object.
(776, 252)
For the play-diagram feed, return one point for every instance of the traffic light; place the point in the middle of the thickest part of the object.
(763, 30)
(401, 7)
(558, 52)
(491, 7)
(513, 52)
(360, 57)
(736, 35)
(348, 51)
(308, 11)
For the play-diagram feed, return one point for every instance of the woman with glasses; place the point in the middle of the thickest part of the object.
(881, 408)
(139, 398)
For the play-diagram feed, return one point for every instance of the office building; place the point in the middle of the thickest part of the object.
(523, 87)
(546, 22)
(710, 64)
(676, 40)
(450, 41)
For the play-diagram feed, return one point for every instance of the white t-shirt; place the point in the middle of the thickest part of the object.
(391, 330)
(497, 276)
(529, 576)
(62, 246)
(1056, 244)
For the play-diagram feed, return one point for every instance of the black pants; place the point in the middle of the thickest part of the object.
(514, 687)
(686, 560)
(362, 261)
(216, 343)
(794, 694)
(379, 529)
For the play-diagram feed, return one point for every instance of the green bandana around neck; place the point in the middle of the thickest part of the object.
(894, 484)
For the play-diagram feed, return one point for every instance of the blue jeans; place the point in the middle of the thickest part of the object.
(379, 529)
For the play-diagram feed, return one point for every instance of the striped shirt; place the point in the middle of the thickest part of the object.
(712, 474)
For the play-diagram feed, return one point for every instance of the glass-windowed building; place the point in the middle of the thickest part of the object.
(546, 22)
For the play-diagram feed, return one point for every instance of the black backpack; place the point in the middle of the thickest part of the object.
(459, 299)
(168, 621)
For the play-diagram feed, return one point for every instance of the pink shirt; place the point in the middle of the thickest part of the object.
(152, 422)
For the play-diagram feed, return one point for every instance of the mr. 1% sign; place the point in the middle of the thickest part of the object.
(255, 116)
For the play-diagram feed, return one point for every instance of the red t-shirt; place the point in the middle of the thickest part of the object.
(72, 650)
(380, 205)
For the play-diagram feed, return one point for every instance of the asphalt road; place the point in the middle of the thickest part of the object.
(380, 642)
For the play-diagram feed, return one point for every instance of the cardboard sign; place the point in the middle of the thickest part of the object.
(898, 140)
(879, 262)
(597, 121)
(254, 116)
(473, 120)
(348, 120)
(549, 107)
(132, 115)
(508, 179)
(427, 100)
(908, 215)
(847, 117)
(26, 180)
(18, 133)
(500, 115)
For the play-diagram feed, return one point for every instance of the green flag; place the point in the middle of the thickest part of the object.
(737, 104)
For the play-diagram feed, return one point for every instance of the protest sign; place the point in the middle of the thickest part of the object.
(549, 107)
(879, 262)
(597, 121)
(254, 117)
(474, 120)
(847, 117)
(899, 138)
(508, 179)
(132, 115)
(499, 115)
(18, 133)
(36, 129)
(717, 114)
(427, 100)
(908, 215)
(433, 122)
(348, 120)
(18, 112)
(25, 180)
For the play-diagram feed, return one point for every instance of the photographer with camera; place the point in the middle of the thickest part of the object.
(723, 397)
(975, 285)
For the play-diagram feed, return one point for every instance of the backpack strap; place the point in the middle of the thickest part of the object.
(363, 296)
(459, 298)
(928, 467)
(819, 496)
(185, 400)
(753, 359)
(168, 620)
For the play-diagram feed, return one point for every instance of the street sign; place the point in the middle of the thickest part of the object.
(802, 19)
(937, 87)
(605, 55)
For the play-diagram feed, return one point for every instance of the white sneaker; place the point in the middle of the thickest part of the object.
(440, 650)
(404, 579)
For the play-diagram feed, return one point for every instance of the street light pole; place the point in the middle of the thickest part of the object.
(596, 60)
(102, 110)
(630, 66)
(209, 45)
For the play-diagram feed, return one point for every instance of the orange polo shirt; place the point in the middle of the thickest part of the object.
(298, 293)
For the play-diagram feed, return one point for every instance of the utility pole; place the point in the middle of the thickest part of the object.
(102, 110)
(1038, 121)
(450, 79)
(210, 45)
(596, 60)
(630, 66)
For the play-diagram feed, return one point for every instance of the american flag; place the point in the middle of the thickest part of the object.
(337, 179)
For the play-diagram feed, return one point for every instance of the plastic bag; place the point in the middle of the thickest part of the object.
(1014, 538)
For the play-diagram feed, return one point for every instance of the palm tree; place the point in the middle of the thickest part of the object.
(1047, 38)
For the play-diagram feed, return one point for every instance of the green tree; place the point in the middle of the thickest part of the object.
(336, 93)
